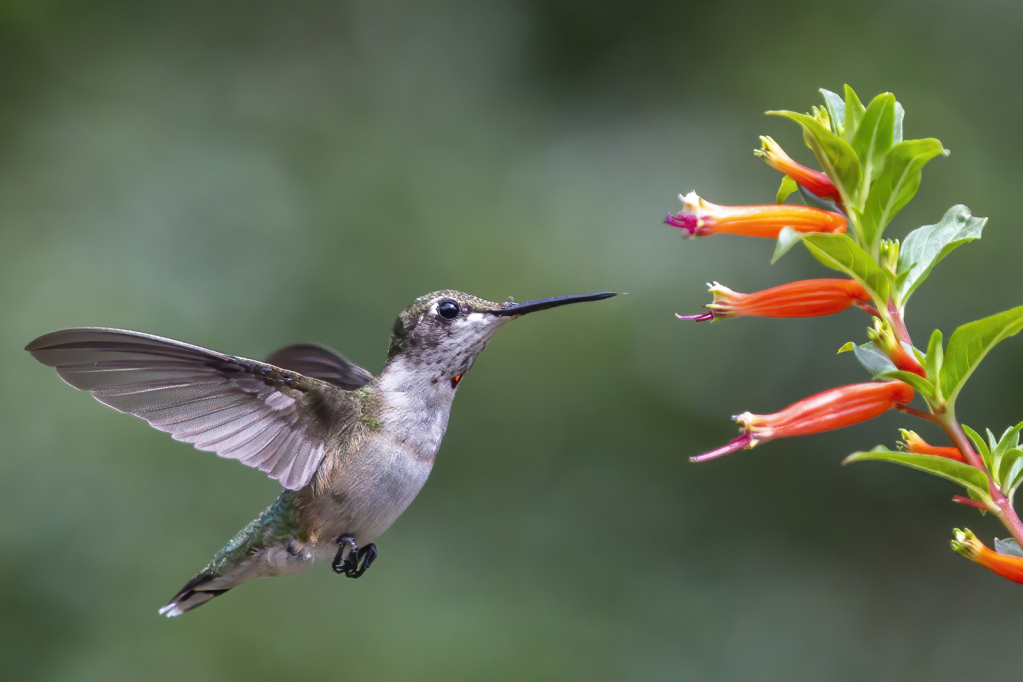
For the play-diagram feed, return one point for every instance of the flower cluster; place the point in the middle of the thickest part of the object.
(868, 174)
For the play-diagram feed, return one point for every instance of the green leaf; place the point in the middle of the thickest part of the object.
(1008, 470)
(1013, 478)
(932, 361)
(834, 154)
(900, 113)
(1008, 547)
(992, 444)
(979, 445)
(896, 185)
(839, 252)
(872, 359)
(874, 137)
(1002, 449)
(788, 186)
(918, 383)
(900, 280)
(853, 113)
(836, 110)
(972, 479)
(926, 246)
(787, 238)
(970, 343)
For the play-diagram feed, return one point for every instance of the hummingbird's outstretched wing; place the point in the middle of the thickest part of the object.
(320, 362)
(273, 419)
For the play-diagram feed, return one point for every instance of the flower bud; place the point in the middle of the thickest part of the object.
(912, 442)
(814, 181)
(901, 356)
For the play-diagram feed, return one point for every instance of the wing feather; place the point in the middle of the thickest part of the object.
(258, 413)
(321, 363)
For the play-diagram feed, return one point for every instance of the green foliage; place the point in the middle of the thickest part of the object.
(978, 443)
(974, 480)
(788, 186)
(1008, 547)
(926, 246)
(932, 363)
(839, 252)
(853, 113)
(862, 151)
(787, 238)
(871, 357)
(970, 343)
(836, 111)
(1002, 457)
(874, 136)
(900, 113)
(896, 185)
(919, 383)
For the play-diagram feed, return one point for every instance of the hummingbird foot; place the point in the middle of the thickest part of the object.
(350, 565)
(367, 555)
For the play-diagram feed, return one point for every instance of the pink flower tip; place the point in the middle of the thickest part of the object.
(704, 317)
(737, 443)
(689, 223)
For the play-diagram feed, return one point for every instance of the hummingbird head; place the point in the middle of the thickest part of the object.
(446, 330)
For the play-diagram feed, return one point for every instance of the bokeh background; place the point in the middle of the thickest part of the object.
(244, 175)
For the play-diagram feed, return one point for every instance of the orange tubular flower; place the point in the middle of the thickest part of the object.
(911, 442)
(825, 411)
(816, 182)
(967, 544)
(806, 298)
(699, 218)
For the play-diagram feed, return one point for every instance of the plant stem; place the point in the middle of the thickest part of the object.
(947, 421)
(1005, 513)
(898, 326)
(929, 416)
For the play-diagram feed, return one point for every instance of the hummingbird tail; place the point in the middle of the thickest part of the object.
(262, 548)
(192, 595)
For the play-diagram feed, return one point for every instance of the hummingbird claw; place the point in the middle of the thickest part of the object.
(349, 565)
(368, 555)
(341, 563)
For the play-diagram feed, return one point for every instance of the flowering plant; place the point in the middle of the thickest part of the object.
(868, 174)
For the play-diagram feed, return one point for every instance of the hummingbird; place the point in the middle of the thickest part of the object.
(352, 450)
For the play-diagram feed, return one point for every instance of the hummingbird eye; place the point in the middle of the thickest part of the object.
(448, 309)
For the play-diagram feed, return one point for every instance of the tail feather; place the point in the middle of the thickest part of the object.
(192, 595)
(243, 558)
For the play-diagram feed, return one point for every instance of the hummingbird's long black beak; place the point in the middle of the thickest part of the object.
(545, 303)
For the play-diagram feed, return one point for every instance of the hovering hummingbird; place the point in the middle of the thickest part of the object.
(351, 450)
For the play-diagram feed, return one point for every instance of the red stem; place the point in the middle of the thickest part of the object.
(1004, 512)
(898, 326)
(947, 421)
(969, 502)
(929, 416)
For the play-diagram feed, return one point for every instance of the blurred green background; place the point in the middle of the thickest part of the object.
(244, 175)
